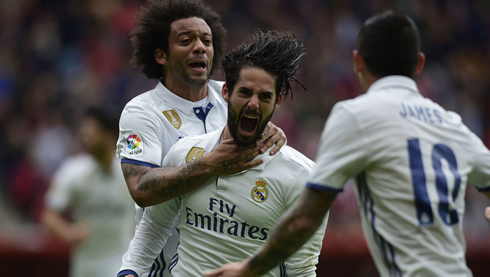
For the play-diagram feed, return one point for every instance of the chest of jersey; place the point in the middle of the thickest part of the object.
(243, 206)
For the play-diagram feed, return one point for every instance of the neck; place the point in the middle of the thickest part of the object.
(367, 79)
(187, 91)
(104, 157)
(226, 133)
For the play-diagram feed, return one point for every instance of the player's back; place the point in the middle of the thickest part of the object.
(411, 190)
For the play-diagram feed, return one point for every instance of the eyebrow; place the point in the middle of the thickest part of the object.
(246, 89)
(190, 32)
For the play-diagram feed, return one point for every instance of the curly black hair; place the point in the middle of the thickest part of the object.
(278, 53)
(153, 29)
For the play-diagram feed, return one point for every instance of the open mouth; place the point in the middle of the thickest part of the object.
(199, 66)
(248, 123)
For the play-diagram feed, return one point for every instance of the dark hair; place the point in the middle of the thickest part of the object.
(107, 117)
(389, 43)
(153, 29)
(278, 53)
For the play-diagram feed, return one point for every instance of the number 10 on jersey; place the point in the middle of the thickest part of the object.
(425, 214)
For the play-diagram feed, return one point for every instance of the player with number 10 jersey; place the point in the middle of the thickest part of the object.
(413, 229)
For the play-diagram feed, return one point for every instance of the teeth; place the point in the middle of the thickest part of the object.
(250, 116)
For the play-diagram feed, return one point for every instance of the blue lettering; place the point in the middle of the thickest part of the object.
(233, 230)
(215, 223)
(244, 226)
(436, 113)
(264, 233)
(232, 210)
(189, 211)
(404, 113)
(222, 223)
(429, 115)
(211, 203)
(202, 217)
(252, 231)
(420, 112)
(411, 113)
(221, 205)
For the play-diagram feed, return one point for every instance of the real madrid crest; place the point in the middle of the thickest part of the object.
(260, 193)
(174, 118)
(194, 154)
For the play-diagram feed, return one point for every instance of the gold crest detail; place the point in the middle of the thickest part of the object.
(194, 154)
(174, 118)
(260, 193)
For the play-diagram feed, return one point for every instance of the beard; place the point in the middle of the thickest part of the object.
(234, 122)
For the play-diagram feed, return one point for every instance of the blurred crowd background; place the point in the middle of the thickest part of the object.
(58, 57)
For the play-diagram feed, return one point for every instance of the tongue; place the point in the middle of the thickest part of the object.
(248, 125)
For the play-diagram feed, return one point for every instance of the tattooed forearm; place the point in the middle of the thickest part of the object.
(169, 182)
(132, 170)
(294, 230)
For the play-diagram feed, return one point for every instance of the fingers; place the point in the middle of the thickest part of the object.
(272, 135)
(213, 272)
(487, 213)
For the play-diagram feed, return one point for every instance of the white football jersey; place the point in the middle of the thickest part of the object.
(153, 122)
(411, 160)
(101, 200)
(229, 218)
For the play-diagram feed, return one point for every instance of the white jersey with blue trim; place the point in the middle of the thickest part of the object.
(229, 218)
(100, 199)
(411, 161)
(151, 123)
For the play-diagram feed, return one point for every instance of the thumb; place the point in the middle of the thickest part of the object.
(213, 272)
(487, 213)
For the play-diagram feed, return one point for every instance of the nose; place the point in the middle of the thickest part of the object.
(199, 47)
(253, 103)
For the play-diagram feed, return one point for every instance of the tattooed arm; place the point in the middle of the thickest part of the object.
(289, 235)
(149, 186)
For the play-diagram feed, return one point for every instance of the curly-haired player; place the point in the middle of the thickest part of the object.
(228, 218)
(177, 42)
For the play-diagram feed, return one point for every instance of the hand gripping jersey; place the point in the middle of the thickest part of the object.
(153, 122)
(228, 218)
(101, 200)
(411, 161)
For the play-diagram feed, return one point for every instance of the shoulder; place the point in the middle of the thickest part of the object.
(191, 148)
(296, 158)
(74, 167)
(216, 85)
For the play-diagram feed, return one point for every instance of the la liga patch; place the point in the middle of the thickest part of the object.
(134, 144)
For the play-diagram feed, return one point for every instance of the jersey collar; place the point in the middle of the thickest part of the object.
(394, 81)
(183, 105)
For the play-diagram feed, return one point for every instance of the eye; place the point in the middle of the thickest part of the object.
(185, 41)
(266, 96)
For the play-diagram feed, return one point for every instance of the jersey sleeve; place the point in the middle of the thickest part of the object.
(139, 136)
(151, 236)
(342, 153)
(480, 176)
(61, 191)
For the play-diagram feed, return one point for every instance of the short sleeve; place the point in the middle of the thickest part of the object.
(342, 152)
(480, 175)
(139, 135)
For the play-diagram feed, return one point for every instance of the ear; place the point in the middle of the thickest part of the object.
(278, 102)
(420, 64)
(225, 93)
(160, 56)
(357, 61)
